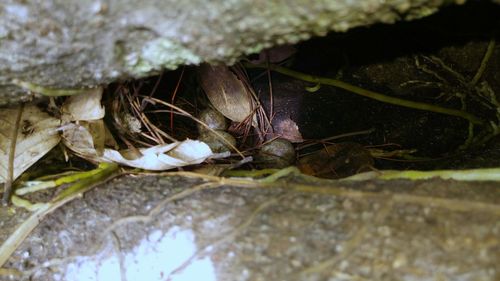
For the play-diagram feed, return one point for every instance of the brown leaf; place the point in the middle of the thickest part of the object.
(287, 129)
(337, 161)
(226, 92)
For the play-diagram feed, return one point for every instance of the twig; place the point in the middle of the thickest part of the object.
(351, 134)
(7, 188)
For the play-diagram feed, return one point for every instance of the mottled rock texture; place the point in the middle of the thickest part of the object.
(78, 43)
(134, 229)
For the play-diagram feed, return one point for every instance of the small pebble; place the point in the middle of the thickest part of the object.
(278, 154)
(216, 143)
(213, 119)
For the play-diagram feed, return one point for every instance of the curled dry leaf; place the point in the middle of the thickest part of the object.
(157, 158)
(226, 92)
(165, 156)
(78, 139)
(84, 107)
(37, 135)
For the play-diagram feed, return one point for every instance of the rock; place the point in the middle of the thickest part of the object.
(73, 43)
(212, 119)
(132, 229)
(219, 141)
(278, 153)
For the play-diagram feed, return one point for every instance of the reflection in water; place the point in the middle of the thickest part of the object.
(155, 258)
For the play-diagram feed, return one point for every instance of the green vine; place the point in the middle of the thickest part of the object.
(48, 91)
(369, 94)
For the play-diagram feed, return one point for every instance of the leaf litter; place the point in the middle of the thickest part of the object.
(86, 134)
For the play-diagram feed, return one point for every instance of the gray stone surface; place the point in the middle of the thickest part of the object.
(173, 228)
(75, 43)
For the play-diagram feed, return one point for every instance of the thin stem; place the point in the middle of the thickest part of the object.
(270, 82)
(172, 100)
(351, 134)
(484, 61)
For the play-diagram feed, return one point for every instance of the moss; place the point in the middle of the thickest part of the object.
(158, 54)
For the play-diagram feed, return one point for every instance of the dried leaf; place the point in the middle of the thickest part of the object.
(287, 129)
(78, 139)
(337, 161)
(37, 135)
(226, 92)
(165, 156)
(87, 139)
(98, 132)
(156, 158)
(86, 106)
